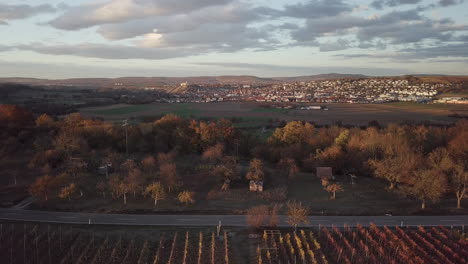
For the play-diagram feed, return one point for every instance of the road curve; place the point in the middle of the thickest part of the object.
(226, 220)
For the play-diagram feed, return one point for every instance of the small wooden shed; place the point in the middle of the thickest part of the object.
(256, 186)
(325, 173)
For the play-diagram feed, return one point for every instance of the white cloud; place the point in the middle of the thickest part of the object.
(118, 11)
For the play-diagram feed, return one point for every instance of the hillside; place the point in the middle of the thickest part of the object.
(168, 83)
(130, 82)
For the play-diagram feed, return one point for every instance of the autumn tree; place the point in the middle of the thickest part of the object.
(70, 141)
(44, 121)
(12, 116)
(168, 175)
(67, 191)
(289, 167)
(214, 153)
(186, 197)
(156, 192)
(295, 132)
(123, 188)
(427, 185)
(458, 145)
(42, 187)
(297, 213)
(343, 138)
(257, 216)
(102, 187)
(135, 181)
(334, 188)
(119, 187)
(255, 171)
(458, 178)
(149, 167)
(113, 184)
(226, 170)
(396, 168)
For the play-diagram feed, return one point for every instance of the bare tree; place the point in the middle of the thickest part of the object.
(257, 216)
(459, 183)
(135, 181)
(102, 187)
(168, 174)
(297, 214)
(289, 167)
(155, 191)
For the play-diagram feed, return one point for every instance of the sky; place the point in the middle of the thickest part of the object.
(58, 39)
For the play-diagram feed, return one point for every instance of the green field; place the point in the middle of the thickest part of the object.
(122, 110)
(250, 114)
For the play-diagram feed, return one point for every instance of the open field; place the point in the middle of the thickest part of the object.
(367, 196)
(32, 243)
(256, 114)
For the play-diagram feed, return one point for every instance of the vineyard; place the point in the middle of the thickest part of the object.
(364, 245)
(36, 244)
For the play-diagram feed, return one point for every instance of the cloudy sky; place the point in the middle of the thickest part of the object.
(110, 38)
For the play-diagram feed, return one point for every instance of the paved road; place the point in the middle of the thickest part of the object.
(211, 220)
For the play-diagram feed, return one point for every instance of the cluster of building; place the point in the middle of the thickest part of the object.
(369, 90)
(452, 100)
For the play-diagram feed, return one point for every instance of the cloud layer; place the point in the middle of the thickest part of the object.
(12, 12)
(163, 29)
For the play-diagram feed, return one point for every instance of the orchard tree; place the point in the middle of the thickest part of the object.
(122, 190)
(42, 187)
(295, 132)
(156, 192)
(67, 191)
(458, 179)
(45, 121)
(168, 175)
(342, 139)
(149, 167)
(334, 188)
(214, 153)
(289, 167)
(396, 169)
(135, 181)
(119, 188)
(102, 187)
(255, 171)
(257, 216)
(427, 185)
(297, 213)
(186, 197)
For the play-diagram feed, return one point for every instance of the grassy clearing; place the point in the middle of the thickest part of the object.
(123, 110)
(251, 121)
(185, 111)
(452, 95)
(411, 105)
(270, 110)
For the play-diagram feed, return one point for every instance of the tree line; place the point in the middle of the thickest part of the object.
(421, 161)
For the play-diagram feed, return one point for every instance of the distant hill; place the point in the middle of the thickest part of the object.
(168, 83)
(155, 81)
(328, 76)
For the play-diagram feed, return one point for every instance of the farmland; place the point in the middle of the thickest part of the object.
(364, 245)
(33, 243)
(68, 244)
(259, 114)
